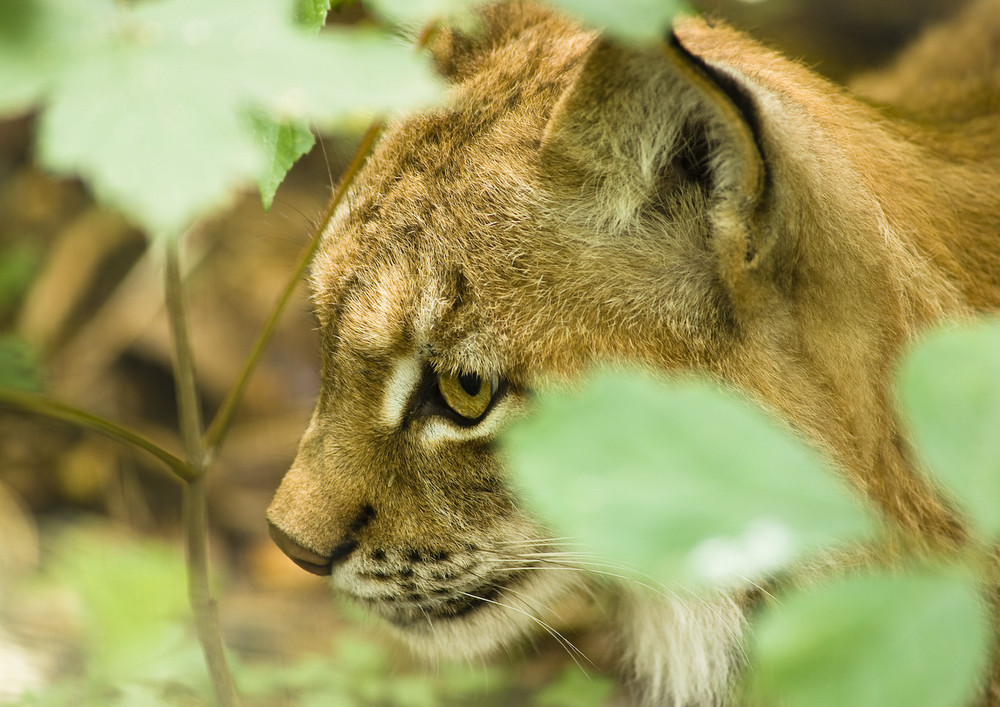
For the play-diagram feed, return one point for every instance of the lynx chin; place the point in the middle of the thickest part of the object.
(702, 205)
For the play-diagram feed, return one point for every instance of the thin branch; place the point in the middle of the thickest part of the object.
(195, 506)
(219, 427)
(55, 410)
(189, 406)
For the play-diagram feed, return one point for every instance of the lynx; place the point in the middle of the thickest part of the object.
(703, 205)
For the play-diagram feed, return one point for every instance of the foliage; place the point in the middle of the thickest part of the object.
(138, 648)
(178, 81)
(312, 13)
(636, 20)
(19, 264)
(885, 639)
(19, 365)
(284, 143)
(416, 13)
(950, 389)
(727, 494)
(720, 481)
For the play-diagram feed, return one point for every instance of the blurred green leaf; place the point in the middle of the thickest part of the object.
(949, 388)
(284, 144)
(417, 13)
(149, 101)
(892, 640)
(315, 675)
(19, 264)
(679, 480)
(412, 691)
(635, 20)
(575, 688)
(39, 38)
(134, 599)
(20, 367)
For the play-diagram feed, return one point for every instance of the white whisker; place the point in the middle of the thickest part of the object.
(568, 645)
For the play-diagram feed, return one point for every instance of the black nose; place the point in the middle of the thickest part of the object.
(302, 556)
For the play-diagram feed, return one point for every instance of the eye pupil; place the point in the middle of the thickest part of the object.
(466, 394)
(471, 383)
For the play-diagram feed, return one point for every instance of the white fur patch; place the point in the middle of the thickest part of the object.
(683, 651)
(440, 430)
(398, 390)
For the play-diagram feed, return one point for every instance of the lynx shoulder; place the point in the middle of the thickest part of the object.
(703, 205)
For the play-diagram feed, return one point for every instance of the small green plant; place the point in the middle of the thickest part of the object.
(128, 600)
(127, 603)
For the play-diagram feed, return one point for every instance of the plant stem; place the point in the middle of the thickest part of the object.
(195, 507)
(219, 427)
(46, 407)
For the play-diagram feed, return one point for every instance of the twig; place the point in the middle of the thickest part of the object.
(219, 427)
(46, 407)
(195, 513)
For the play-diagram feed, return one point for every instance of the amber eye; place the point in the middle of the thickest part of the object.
(468, 394)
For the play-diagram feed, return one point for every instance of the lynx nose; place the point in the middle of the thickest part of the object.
(302, 556)
(312, 561)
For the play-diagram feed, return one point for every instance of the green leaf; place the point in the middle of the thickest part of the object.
(20, 367)
(918, 640)
(160, 152)
(679, 480)
(284, 144)
(635, 20)
(133, 596)
(40, 38)
(575, 688)
(312, 13)
(149, 102)
(20, 262)
(418, 13)
(949, 387)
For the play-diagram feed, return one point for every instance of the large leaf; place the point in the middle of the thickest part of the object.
(37, 42)
(949, 387)
(679, 481)
(149, 102)
(417, 13)
(636, 20)
(917, 640)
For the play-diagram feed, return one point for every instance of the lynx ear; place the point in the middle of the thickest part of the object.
(641, 127)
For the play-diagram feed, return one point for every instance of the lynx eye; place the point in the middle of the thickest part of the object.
(467, 394)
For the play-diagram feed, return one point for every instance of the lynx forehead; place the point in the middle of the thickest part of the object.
(702, 205)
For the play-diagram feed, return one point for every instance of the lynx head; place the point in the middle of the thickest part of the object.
(574, 201)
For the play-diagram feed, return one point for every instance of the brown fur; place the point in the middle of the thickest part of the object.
(710, 206)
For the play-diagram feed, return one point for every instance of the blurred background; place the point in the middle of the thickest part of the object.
(86, 523)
